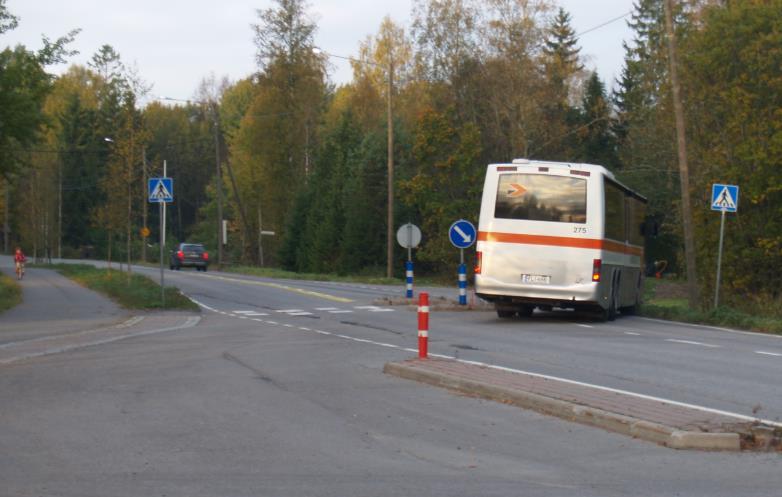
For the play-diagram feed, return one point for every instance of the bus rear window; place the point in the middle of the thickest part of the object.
(541, 197)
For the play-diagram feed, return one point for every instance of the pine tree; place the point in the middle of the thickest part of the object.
(597, 144)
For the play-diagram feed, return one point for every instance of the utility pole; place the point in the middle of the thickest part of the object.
(684, 174)
(144, 204)
(219, 178)
(390, 227)
(7, 218)
(59, 208)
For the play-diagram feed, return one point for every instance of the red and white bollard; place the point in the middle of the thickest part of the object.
(423, 325)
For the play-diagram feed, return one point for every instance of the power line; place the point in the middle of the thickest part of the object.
(611, 21)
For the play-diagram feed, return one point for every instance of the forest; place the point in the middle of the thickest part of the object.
(468, 83)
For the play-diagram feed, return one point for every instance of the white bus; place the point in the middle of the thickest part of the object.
(560, 235)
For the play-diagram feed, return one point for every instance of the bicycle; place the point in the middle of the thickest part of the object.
(19, 270)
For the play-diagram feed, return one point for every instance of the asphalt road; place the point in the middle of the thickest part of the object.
(279, 391)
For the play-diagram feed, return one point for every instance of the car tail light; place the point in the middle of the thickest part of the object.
(205, 255)
(478, 262)
(180, 254)
(597, 264)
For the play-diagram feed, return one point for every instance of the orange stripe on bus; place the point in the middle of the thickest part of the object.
(560, 241)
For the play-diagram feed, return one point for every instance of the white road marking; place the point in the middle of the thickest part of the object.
(585, 325)
(372, 308)
(288, 311)
(632, 333)
(716, 328)
(564, 380)
(761, 352)
(326, 308)
(341, 311)
(690, 342)
(623, 392)
(243, 312)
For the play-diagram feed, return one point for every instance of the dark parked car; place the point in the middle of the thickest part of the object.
(189, 255)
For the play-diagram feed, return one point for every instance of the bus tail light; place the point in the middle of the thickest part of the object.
(597, 264)
(478, 262)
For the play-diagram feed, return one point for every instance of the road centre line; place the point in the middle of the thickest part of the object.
(585, 325)
(278, 286)
(690, 342)
(762, 352)
(564, 380)
(632, 333)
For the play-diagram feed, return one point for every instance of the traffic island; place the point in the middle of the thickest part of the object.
(436, 303)
(671, 425)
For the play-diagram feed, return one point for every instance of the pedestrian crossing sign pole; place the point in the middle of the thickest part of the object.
(724, 198)
(161, 192)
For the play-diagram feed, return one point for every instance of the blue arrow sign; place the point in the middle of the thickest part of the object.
(462, 234)
(161, 190)
(724, 197)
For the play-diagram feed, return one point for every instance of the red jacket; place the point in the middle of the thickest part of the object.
(19, 257)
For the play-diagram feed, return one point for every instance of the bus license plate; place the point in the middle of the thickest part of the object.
(537, 279)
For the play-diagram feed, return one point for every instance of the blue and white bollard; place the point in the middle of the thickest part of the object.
(462, 284)
(409, 276)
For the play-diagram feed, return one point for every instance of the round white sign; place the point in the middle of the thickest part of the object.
(408, 235)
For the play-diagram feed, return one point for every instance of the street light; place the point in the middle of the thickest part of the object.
(390, 227)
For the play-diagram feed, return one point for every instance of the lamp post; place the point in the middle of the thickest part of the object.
(389, 114)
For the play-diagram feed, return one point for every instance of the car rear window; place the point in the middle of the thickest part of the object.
(541, 197)
(192, 247)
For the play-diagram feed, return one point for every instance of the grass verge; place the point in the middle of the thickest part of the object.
(290, 275)
(664, 300)
(139, 292)
(10, 293)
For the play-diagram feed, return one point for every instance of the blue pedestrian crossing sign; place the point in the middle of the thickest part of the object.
(161, 190)
(724, 197)
(462, 234)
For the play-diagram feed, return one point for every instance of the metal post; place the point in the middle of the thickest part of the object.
(462, 279)
(719, 261)
(161, 208)
(163, 222)
(409, 279)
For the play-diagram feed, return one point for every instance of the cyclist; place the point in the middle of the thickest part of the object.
(19, 260)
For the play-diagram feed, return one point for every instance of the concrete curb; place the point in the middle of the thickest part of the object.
(618, 423)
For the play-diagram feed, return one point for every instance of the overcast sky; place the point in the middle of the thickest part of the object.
(175, 43)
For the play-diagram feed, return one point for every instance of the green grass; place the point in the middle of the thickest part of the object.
(10, 293)
(662, 300)
(139, 292)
